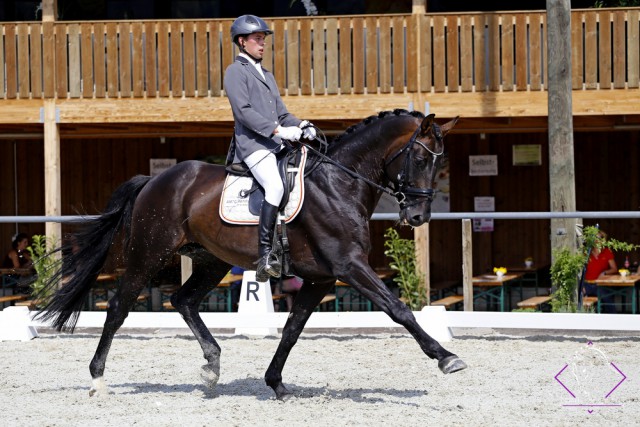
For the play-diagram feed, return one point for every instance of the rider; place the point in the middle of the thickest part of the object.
(261, 122)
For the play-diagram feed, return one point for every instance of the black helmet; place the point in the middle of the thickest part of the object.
(248, 24)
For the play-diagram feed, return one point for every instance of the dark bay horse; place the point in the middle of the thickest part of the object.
(177, 212)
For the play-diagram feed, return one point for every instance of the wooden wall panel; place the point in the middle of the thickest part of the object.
(23, 62)
(87, 53)
(202, 63)
(479, 52)
(494, 52)
(371, 41)
(439, 54)
(633, 49)
(384, 24)
(35, 44)
(75, 71)
(137, 59)
(11, 58)
(292, 57)
(176, 56)
(466, 53)
(332, 56)
(163, 59)
(619, 50)
(216, 68)
(591, 51)
(3, 75)
(398, 54)
(112, 59)
(346, 61)
(453, 61)
(426, 56)
(521, 52)
(507, 52)
(124, 59)
(604, 49)
(413, 53)
(577, 46)
(189, 63)
(318, 57)
(358, 56)
(150, 56)
(306, 56)
(536, 54)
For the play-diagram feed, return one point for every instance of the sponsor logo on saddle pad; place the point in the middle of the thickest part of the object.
(234, 207)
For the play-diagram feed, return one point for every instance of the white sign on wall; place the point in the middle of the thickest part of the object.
(157, 166)
(486, 165)
(483, 204)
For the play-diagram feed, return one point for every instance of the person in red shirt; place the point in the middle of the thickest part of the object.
(601, 263)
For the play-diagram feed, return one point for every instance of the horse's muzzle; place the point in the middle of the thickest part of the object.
(415, 217)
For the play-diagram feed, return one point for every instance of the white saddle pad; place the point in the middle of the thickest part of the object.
(234, 209)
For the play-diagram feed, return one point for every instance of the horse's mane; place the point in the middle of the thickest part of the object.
(375, 118)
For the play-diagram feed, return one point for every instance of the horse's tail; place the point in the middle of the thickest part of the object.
(83, 255)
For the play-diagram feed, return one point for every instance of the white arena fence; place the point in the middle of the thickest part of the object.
(435, 320)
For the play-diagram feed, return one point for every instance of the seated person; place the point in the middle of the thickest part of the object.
(601, 263)
(20, 258)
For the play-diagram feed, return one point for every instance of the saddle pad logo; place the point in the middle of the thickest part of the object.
(234, 208)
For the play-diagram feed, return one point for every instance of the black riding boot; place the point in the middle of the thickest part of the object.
(268, 264)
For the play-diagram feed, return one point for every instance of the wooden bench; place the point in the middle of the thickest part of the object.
(534, 302)
(588, 302)
(13, 298)
(103, 305)
(449, 301)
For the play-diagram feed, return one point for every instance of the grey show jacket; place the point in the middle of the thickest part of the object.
(257, 108)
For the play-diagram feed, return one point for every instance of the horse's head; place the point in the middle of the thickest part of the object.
(412, 169)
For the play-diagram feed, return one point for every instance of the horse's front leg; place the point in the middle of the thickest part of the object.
(306, 301)
(368, 284)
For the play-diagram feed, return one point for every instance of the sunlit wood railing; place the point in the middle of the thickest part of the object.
(316, 56)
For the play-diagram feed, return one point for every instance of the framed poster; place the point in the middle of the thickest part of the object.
(157, 166)
(486, 165)
(527, 155)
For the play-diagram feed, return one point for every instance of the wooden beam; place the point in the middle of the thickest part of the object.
(561, 156)
(467, 265)
(52, 192)
(421, 238)
(49, 10)
(419, 7)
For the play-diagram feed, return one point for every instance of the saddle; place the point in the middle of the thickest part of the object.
(242, 197)
(288, 166)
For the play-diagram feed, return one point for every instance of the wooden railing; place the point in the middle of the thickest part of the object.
(316, 56)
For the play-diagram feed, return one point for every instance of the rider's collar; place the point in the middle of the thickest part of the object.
(251, 59)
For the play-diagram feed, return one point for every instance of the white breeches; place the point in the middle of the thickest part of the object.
(264, 168)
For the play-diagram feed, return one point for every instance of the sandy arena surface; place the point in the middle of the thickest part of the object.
(338, 379)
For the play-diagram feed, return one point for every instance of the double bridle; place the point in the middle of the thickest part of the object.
(403, 184)
(401, 188)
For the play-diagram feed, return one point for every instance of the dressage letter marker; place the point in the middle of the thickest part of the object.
(255, 298)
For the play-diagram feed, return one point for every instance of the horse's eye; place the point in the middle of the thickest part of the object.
(420, 162)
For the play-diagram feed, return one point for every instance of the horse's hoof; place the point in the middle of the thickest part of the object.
(451, 364)
(210, 374)
(282, 393)
(98, 388)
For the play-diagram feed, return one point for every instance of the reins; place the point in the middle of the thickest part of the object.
(401, 190)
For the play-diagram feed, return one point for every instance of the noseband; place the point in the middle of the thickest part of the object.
(403, 188)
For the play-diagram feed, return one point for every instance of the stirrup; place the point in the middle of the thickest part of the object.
(268, 265)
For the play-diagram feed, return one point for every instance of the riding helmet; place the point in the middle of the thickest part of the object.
(248, 24)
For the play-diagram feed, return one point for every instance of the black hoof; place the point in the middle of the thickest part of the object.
(451, 364)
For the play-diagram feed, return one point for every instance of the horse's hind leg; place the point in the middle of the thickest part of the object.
(306, 301)
(118, 310)
(206, 273)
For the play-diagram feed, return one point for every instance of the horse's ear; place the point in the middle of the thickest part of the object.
(426, 124)
(445, 128)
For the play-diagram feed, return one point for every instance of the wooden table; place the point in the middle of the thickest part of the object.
(529, 274)
(492, 288)
(618, 285)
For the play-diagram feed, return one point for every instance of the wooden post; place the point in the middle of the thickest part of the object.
(561, 156)
(52, 194)
(419, 7)
(467, 265)
(421, 238)
(49, 10)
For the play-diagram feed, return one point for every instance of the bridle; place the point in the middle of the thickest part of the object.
(402, 188)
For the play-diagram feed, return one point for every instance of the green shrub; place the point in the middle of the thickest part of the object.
(45, 265)
(567, 267)
(403, 260)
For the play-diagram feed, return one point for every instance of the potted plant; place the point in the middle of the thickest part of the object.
(403, 260)
(567, 267)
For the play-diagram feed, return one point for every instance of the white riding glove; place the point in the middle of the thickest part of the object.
(309, 131)
(290, 133)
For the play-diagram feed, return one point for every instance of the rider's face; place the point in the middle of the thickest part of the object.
(254, 44)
